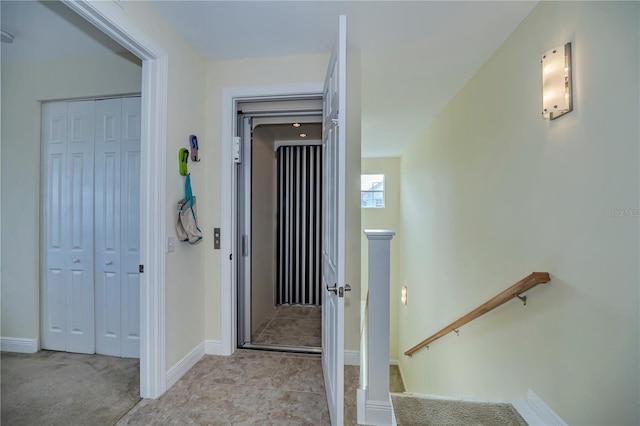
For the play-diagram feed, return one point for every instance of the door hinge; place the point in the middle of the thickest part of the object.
(236, 149)
(141, 269)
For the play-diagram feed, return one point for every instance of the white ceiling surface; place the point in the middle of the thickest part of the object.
(416, 55)
(50, 30)
(288, 133)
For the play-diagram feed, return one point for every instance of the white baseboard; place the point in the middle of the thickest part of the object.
(184, 365)
(213, 347)
(351, 357)
(535, 412)
(454, 398)
(19, 344)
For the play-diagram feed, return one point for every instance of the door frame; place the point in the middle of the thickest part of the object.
(110, 19)
(244, 284)
(230, 97)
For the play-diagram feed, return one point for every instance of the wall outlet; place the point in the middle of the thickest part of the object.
(170, 244)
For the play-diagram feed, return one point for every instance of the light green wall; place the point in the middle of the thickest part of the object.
(386, 218)
(24, 86)
(184, 291)
(282, 71)
(492, 192)
(185, 267)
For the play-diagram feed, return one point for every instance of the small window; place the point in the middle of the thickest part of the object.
(372, 191)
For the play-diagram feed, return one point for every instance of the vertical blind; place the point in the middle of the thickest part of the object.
(299, 251)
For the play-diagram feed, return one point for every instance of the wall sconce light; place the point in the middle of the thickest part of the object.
(403, 295)
(557, 99)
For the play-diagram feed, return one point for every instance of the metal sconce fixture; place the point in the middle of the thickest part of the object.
(403, 295)
(557, 98)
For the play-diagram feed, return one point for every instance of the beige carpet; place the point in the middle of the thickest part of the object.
(59, 388)
(424, 411)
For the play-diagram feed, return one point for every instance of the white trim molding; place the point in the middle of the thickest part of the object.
(536, 412)
(19, 344)
(351, 357)
(213, 347)
(374, 412)
(109, 18)
(230, 96)
(185, 364)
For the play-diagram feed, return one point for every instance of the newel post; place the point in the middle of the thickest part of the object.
(377, 402)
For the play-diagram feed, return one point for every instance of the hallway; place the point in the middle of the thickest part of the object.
(249, 387)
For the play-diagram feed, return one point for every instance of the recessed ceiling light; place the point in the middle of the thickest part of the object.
(303, 135)
(296, 124)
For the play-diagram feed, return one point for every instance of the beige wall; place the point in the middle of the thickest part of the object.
(184, 293)
(263, 227)
(492, 192)
(268, 72)
(185, 267)
(386, 218)
(24, 86)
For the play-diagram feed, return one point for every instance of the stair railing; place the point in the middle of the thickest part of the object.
(515, 291)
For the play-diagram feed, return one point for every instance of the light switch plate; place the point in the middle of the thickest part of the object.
(170, 244)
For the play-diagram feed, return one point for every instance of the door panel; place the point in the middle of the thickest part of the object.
(130, 228)
(54, 290)
(333, 273)
(78, 220)
(107, 226)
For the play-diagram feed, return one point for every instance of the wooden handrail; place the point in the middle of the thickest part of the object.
(515, 290)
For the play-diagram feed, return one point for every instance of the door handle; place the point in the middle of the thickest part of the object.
(76, 260)
(109, 262)
(334, 289)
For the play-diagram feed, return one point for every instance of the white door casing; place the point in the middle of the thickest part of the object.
(108, 18)
(333, 250)
(230, 97)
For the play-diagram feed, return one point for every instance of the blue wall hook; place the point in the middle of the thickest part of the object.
(193, 140)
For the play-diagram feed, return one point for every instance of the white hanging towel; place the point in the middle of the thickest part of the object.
(187, 224)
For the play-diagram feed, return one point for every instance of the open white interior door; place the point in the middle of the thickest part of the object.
(333, 247)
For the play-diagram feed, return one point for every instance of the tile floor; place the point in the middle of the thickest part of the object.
(249, 387)
(291, 325)
(252, 388)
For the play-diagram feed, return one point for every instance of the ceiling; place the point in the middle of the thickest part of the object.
(415, 55)
(288, 133)
(45, 30)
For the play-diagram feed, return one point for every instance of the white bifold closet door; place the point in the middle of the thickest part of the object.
(91, 192)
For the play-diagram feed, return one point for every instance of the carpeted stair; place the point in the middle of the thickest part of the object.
(414, 411)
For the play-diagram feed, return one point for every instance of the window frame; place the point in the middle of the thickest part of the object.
(378, 202)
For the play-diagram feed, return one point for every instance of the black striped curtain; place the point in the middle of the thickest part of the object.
(299, 251)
